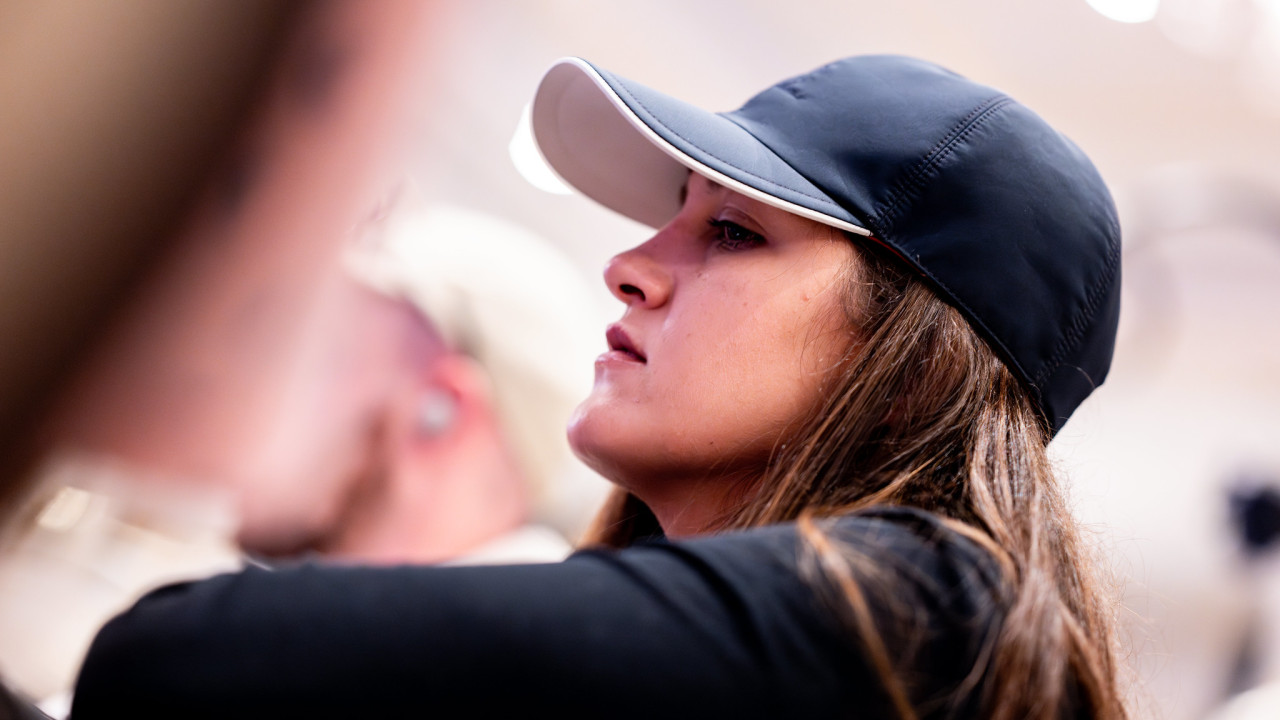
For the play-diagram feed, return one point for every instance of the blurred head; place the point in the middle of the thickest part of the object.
(428, 415)
(347, 419)
(511, 306)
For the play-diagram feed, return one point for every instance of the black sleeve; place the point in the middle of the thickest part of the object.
(721, 626)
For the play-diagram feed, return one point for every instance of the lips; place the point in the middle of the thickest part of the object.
(620, 344)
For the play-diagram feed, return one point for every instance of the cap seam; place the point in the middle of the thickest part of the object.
(1096, 292)
(623, 91)
(931, 159)
(977, 320)
(907, 188)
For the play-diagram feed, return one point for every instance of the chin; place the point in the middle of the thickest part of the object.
(582, 441)
(596, 442)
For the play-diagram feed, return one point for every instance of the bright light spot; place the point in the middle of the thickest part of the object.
(1126, 11)
(1212, 28)
(1260, 71)
(1269, 7)
(528, 160)
(65, 509)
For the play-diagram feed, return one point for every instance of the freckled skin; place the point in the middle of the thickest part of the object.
(735, 336)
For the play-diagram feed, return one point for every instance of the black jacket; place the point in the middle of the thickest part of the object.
(722, 626)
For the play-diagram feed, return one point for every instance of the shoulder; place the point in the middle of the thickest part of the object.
(908, 557)
(915, 545)
(900, 557)
(922, 548)
(932, 596)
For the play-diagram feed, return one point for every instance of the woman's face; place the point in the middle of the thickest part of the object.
(734, 317)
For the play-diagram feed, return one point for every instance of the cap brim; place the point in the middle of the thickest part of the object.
(630, 149)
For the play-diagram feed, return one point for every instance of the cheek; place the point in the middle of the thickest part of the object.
(773, 344)
(749, 369)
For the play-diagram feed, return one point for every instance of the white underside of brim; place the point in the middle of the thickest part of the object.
(700, 168)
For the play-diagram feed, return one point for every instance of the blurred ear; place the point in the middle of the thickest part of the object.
(447, 402)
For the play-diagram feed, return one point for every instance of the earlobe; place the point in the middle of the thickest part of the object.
(453, 392)
(437, 413)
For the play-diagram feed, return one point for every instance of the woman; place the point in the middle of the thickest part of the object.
(876, 292)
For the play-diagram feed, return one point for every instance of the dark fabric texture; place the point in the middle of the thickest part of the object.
(716, 627)
(16, 707)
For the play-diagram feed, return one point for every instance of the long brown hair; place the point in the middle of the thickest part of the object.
(921, 413)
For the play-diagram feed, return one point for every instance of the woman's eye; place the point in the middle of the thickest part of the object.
(732, 236)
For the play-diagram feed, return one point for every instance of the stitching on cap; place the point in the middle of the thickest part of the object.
(971, 122)
(797, 86)
(637, 101)
(912, 182)
(1095, 295)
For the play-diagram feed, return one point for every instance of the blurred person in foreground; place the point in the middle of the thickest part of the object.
(195, 391)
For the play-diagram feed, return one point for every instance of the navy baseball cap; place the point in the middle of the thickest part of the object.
(1004, 216)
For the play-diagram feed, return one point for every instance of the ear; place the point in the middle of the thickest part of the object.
(444, 403)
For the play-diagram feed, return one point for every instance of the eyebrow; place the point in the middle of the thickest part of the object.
(684, 187)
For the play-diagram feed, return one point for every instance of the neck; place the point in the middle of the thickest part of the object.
(696, 506)
(473, 493)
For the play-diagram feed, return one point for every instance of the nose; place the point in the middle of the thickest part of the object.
(637, 278)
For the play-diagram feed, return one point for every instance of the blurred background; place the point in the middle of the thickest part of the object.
(1174, 463)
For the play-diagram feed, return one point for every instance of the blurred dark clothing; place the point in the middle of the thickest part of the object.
(13, 707)
(1256, 512)
(717, 626)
